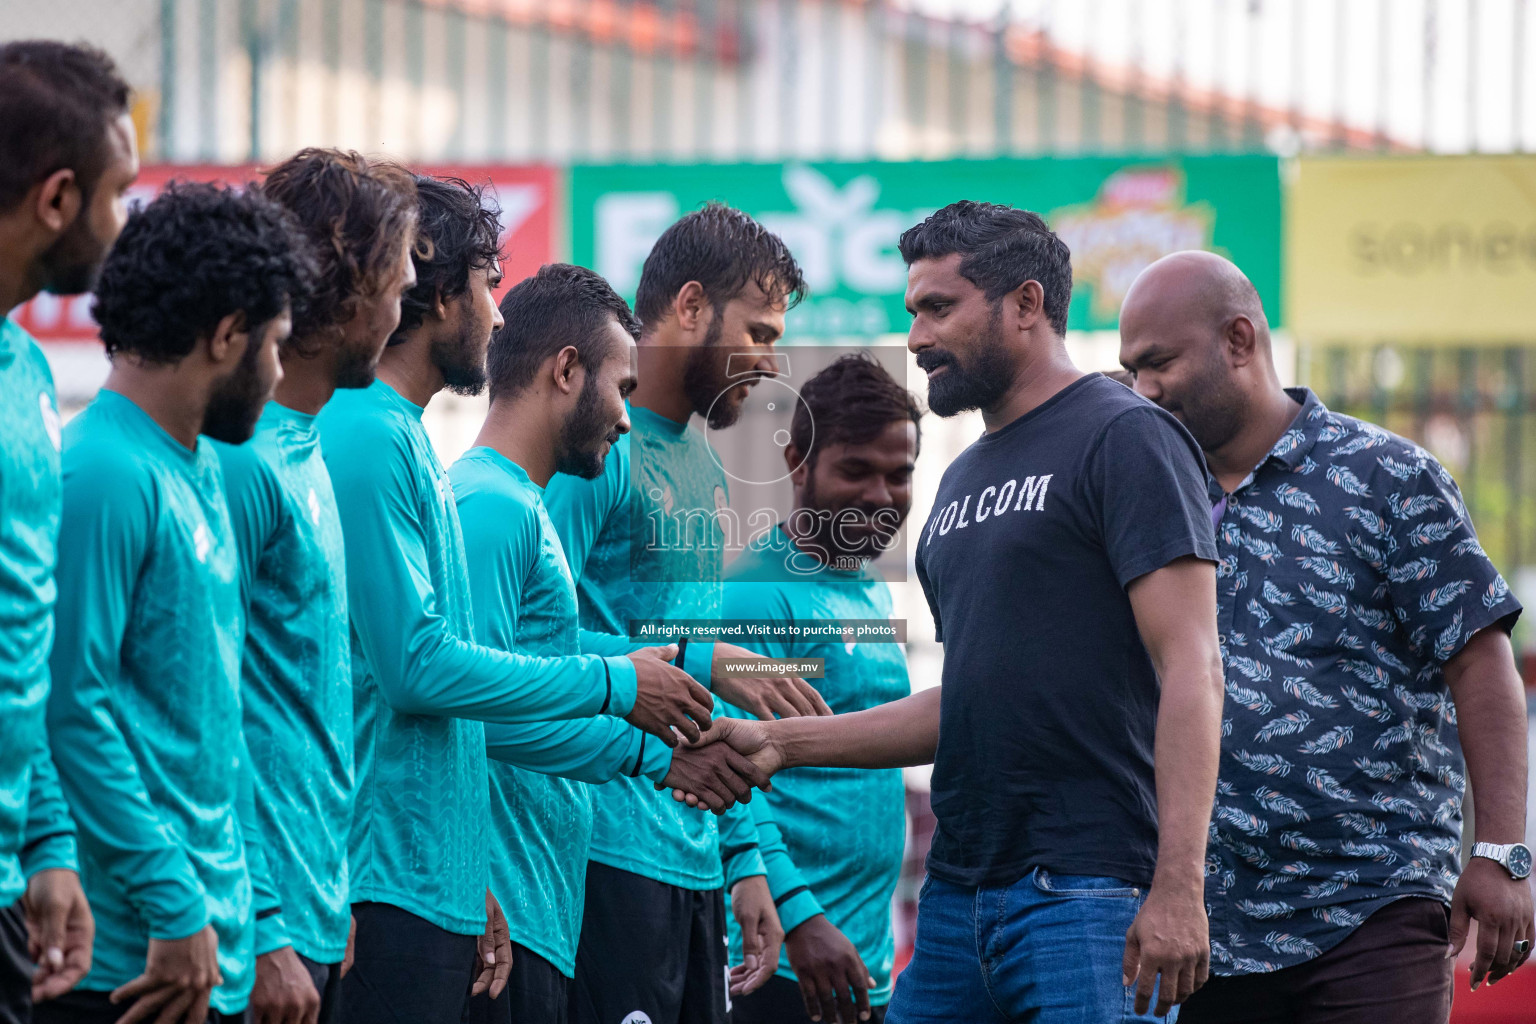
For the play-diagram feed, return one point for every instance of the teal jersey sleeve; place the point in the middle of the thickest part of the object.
(255, 510)
(595, 750)
(109, 513)
(255, 507)
(266, 904)
(740, 854)
(422, 667)
(502, 533)
(33, 820)
(49, 840)
(792, 895)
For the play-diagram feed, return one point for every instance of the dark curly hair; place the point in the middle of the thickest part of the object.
(192, 257)
(56, 103)
(1000, 248)
(357, 216)
(458, 230)
(851, 401)
(560, 305)
(724, 250)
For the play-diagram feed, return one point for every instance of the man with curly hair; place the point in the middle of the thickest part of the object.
(145, 711)
(429, 933)
(66, 158)
(296, 672)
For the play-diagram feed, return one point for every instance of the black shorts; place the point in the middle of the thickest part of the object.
(536, 991)
(406, 970)
(779, 1002)
(83, 1006)
(327, 981)
(15, 967)
(1391, 968)
(649, 951)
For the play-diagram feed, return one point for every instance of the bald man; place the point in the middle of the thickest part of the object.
(1360, 623)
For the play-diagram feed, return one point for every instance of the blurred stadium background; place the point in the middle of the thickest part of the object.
(1366, 161)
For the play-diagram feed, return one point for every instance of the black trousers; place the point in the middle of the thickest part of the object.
(649, 951)
(779, 1002)
(536, 993)
(406, 970)
(15, 967)
(1391, 969)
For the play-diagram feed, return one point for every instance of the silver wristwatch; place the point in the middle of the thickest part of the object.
(1516, 857)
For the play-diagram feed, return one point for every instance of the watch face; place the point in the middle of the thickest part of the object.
(1520, 860)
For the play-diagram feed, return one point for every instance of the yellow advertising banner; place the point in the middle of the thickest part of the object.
(1412, 249)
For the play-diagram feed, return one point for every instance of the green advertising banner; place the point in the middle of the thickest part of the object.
(842, 221)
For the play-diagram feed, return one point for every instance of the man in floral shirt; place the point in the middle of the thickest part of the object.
(1365, 639)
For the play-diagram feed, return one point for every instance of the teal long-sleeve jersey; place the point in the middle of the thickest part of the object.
(145, 708)
(850, 875)
(643, 542)
(295, 678)
(421, 684)
(36, 831)
(524, 599)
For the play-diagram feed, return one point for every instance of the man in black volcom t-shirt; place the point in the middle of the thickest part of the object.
(1050, 700)
(1068, 562)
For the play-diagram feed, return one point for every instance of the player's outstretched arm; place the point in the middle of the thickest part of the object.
(1175, 609)
(766, 696)
(895, 735)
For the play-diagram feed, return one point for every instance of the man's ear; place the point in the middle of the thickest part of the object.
(1028, 304)
(439, 308)
(227, 342)
(1241, 341)
(690, 306)
(59, 200)
(567, 370)
(799, 466)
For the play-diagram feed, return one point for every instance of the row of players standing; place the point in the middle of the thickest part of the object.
(1363, 630)
(276, 677)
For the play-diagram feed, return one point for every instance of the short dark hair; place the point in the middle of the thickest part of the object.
(724, 250)
(560, 305)
(192, 257)
(851, 401)
(458, 231)
(56, 103)
(1000, 247)
(357, 216)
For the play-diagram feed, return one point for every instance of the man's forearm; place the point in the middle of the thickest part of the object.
(1187, 754)
(895, 735)
(1491, 718)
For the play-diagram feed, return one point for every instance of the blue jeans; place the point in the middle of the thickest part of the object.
(1046, 950)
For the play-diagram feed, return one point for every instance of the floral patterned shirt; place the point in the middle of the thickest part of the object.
(1349, 575)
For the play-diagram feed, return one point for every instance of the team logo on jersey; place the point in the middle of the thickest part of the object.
(202, 542)
(50, 419)
(637, 1017)
(314, 507)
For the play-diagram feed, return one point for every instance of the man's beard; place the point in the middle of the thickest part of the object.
(825, 533)
(71, 264)
(705, 380)
(583, 433)
(235, 405)
(979, 386)
(461, 364)
(1217, 412)
(357, 367)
